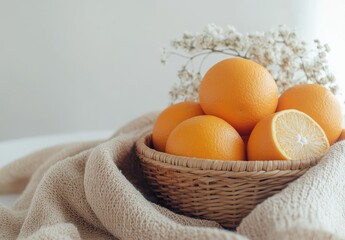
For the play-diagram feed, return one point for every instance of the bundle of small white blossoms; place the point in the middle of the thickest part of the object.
(280, 50)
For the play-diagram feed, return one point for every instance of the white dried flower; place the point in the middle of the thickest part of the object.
(164, 56)
(280, 50)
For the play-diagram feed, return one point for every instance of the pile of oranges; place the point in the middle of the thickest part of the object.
(241, 117)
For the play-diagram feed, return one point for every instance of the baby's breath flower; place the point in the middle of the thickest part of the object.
(280, 50)
(164, 56)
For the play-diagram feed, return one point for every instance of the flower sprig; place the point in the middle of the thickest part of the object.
(280, 50)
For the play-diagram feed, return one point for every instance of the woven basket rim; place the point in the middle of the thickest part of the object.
(147, 153)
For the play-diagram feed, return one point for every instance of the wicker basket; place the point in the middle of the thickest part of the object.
(223, 191)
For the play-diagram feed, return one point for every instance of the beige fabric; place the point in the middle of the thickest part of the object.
(312, 207)
(95, 190)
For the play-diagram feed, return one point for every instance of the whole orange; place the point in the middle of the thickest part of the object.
(207, 137)
(319, 103)
(169, 118)
(240, 91)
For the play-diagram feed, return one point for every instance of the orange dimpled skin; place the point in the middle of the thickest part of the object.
(317, 102)
(240, 91)
(206, 137)
(261, 144)
(169, 118)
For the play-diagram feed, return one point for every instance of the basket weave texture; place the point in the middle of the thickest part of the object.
(222, 191)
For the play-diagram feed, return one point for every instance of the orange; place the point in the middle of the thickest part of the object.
(342, 136)
(169, 119)
(239, 91)
(288, 134)
(319, 103)
(207, 137)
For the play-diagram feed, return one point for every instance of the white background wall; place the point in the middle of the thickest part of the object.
(75, 65)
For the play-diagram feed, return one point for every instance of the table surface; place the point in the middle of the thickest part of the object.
(14, 149)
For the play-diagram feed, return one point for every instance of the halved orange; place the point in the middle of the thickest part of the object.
(289, 134)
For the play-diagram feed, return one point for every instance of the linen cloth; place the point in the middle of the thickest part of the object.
(96, 190)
